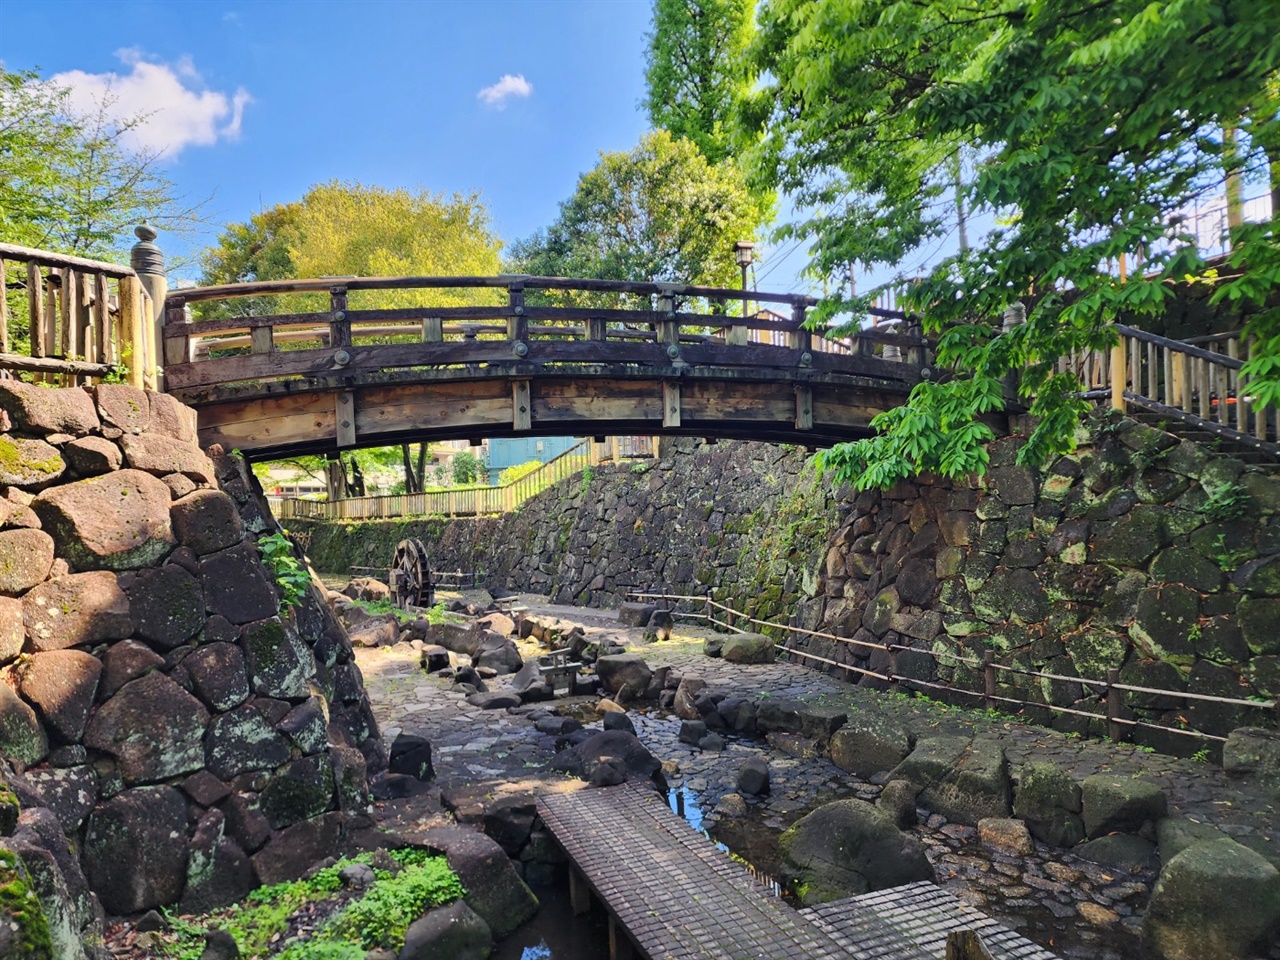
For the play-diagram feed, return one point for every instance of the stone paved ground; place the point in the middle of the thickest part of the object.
(1073, 906)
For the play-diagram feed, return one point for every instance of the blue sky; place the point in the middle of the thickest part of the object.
(258, 100)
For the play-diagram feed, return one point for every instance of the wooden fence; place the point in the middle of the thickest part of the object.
(1199, 383)
(1110, 692)
(72, 319)
(460, 502)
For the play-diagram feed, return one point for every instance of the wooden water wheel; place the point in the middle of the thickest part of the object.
(411, 575)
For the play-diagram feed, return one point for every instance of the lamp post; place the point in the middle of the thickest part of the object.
(743, 252)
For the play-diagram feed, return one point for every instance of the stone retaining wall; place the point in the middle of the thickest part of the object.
(190, 735)
(1139, 552)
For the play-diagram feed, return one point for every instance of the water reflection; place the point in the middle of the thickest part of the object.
(540, 952)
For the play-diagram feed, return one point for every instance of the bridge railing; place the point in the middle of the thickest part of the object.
(486, 320)
(70, 319)
(459, 502)
(1197, 382)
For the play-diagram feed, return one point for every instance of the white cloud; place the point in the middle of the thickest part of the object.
(507, 87)
(179, 113)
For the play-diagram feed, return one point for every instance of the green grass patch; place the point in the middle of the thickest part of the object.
(377, 918)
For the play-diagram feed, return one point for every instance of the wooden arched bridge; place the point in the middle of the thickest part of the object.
(470, 357)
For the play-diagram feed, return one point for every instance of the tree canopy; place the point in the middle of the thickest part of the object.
(660, 212)
(70, 182)
(696, 71)
(349, 229)
(1092, 124)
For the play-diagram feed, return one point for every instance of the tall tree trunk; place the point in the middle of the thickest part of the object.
(422, 466)
(409, 475)
(1231, 167)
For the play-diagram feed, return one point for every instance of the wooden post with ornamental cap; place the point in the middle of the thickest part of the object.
(148, 263)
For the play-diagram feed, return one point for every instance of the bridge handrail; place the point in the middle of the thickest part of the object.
(1202, 388)
(503, 281)
(77, 327)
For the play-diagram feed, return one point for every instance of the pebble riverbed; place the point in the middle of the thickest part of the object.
(1076, 908)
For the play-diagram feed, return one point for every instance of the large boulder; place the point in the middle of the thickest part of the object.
(218, 871)
(625, 674)
(21, 736)
(241, 740)
(167, 606)
(12, 632)
(32, 464)
(869, 743)
(153, 728)
(615, 748)
(636, 614)
(297, 791)
(76, 610)
(964, 780)
(846, 848)
(236, 585)
(747, 648)
(135, 849)
(454, 931)
(494, 889)
(687, 696)
(218, 675)
(290, 852)
(161, 455)
(60, 684)
(498, 653)
(816, 721)
(123, 406)
(118, 521)
(206, 521)
(1253, 752)
(26, 556)
(1117, 804)
(43, 411)
(1216, 899)
(280, 664)
(1049, 801)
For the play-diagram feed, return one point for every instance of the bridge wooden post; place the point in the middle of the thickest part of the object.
(668, 328)
(177, 342)
(619, 944)
(804, 406)
(579, 892)
(799, 337)
(339, 325)
(432, 330)
(518, 322)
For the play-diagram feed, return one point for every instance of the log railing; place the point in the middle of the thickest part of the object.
(1108, 696)
(1200, 384)
(457, 502)
(646, 323)
(69, 319)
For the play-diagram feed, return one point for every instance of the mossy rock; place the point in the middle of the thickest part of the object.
(299, 791)
(24, 927)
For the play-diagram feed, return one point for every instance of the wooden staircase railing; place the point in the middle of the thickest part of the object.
(1203, 388)
(75, 326)
(459, 502)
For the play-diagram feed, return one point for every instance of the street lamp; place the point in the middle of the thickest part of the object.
(743, 253)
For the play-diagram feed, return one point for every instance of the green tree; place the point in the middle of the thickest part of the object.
(70, 182)
(696, 69)
(468, 468)
(659, 213)
(1094, 122)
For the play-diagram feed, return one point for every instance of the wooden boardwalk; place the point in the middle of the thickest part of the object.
(673, 895)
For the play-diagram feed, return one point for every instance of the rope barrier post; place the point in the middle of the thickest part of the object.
(706, 606)
(1113, 705)
(893, 661)
(988, 677)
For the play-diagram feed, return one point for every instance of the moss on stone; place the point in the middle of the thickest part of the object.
(20, 909)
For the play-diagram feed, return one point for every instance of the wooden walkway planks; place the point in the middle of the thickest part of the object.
(916, 916)
(679, 897)
(676, 894)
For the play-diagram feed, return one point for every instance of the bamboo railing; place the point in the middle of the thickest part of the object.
(80, 319)
(1197, 382)
(1109, 693)
(457, 502)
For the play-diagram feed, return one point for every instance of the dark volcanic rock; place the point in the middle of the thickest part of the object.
(167, 606)
(136, 849)
(236, 585)
(61, 684)
(152, 727)
(118, 521)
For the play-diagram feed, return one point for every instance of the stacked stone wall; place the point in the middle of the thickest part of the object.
(190, 736)
(1140, 552)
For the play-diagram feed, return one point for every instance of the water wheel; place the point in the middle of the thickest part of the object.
(411, 575)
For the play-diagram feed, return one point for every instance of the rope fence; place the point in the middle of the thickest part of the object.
(1111, 690)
